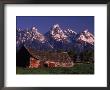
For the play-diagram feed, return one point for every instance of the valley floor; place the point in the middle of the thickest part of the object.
(78, 68)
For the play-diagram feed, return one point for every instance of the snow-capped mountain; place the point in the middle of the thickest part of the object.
(70, 32)
(57, 33)
(35, 35)
(55, 39)
(32, 38)
(31, 35)
(23, 36)
(58, 38)
(87, 37)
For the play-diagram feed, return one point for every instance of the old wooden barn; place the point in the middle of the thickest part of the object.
(27, 57)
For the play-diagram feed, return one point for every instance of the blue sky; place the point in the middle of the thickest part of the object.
(44, 23)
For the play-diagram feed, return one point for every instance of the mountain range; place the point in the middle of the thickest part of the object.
(55, 39)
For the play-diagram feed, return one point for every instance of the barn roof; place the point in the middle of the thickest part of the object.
(53, 56)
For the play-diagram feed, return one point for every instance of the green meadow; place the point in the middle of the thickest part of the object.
(78, 68)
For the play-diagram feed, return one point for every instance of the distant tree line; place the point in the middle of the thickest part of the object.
(84, 56)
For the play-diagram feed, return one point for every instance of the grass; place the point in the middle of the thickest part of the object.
(81, 68)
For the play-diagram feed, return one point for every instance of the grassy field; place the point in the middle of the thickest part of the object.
(81, 68)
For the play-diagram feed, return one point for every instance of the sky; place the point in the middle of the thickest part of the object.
(44, 23)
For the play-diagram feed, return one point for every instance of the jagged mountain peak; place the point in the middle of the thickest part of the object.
(54, 39)
(86, 37)
(57, 33)
(56, 29)
(85, 31)
(38, 35)
(34, 29)
(70, 32)
(30, 35)
(56, 26)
